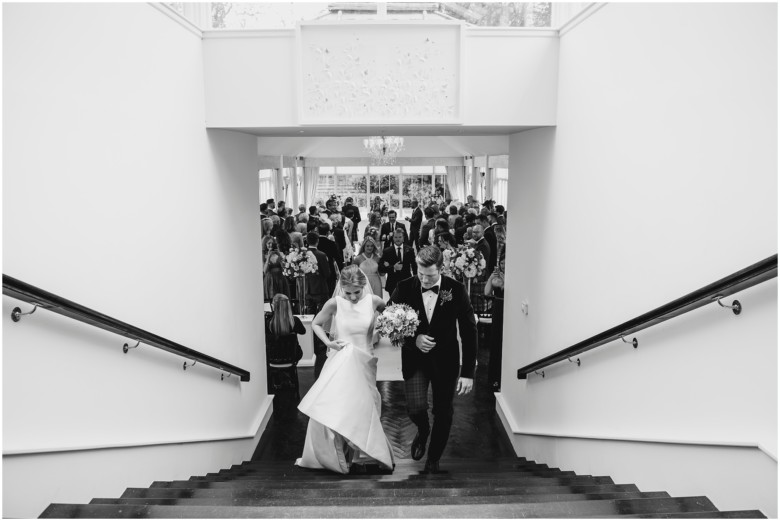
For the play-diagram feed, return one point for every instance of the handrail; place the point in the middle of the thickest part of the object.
(743, 279)
(21, 290)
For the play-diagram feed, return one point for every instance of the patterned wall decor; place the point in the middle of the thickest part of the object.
(379, 73)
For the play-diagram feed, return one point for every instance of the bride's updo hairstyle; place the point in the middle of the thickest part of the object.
(352, 276)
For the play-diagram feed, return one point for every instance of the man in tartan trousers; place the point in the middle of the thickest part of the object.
(432, 356)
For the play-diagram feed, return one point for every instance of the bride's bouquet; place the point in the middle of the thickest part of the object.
(299, 262)
(397, 322)
(465, 262)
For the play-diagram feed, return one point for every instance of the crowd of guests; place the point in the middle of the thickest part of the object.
(385, 252)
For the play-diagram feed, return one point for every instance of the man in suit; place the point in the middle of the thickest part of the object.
(415, 222)
(397, 261)
(490, 237)
(317, 293)
(329, 248)
(354, 215)
(388, 229)
(430, 215)
(432, 356)
(314, 220)
(477, 285)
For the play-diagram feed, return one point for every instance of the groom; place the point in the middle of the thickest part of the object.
(431, 357)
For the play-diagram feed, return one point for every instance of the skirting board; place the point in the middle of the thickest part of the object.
(732, 476)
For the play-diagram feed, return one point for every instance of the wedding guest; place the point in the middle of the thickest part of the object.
(500, 209)
(441, 225)
(277, 222)
(263, 210)
(349, 229)
(500, 232)
(290, 227)
(368, 261)
(478, 283)
(460, 227)
(490, 237)
(446, 241)
(397, 261)
(329, 248)
(281, 343)
(426, 228)
(318, 292)
(494, 287)
(274, 281)
(339, 235)
(301, 209)
(354, 216)
(313, 221)
(388, 229)
(283, 241)
(375, 220)
(373, 232)
(268, 242)
(415, 222)
(297, 240)
(271, 207)
(453, 215)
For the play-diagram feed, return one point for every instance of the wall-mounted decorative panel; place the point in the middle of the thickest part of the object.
(379, 73)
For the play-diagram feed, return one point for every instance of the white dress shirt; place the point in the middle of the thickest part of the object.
(429, 300)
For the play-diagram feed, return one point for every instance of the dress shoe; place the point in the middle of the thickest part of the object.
(431, 467)
(418, 446)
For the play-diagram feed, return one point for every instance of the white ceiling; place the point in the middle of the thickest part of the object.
(395, 130)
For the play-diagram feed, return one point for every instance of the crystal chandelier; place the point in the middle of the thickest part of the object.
(383, 149)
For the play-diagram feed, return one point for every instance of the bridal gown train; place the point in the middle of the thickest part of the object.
(344, 405)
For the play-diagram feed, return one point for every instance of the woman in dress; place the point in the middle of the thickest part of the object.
(368, 261)
(274, 281)
(282, 349)
(344, 405)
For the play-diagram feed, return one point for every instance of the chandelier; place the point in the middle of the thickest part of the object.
(383, 149)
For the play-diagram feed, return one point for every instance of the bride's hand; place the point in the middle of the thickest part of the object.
(336, 345)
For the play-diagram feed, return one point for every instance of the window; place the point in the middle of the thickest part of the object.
(500, 185)
(266, 184)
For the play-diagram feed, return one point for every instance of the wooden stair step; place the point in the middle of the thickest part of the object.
(380, 501)
(305, 476)
(434, 482)
(728, 514)
(259, 493)
(554, 509)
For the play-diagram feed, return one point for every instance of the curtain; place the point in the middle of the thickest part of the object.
(490, 174)
(476, 179)
(293, 192)
(278, 178)
(456, 179)
(310, 176)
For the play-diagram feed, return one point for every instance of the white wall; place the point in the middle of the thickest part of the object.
(251, 78)
(660, 178)
(115, 196)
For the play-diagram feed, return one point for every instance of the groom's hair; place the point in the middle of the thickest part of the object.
(430, 255)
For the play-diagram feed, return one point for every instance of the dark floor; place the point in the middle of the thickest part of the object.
(476, 431)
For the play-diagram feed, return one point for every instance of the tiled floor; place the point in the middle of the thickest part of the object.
(476, 432)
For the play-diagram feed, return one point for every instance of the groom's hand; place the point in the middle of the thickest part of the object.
(425, 343)
(465, 385)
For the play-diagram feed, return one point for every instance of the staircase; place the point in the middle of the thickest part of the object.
(470, 488)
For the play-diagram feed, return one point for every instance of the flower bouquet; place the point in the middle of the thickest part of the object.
(397, 322)
(297, 264)
(466, 262)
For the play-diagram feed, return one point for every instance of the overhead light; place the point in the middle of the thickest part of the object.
(383, 149)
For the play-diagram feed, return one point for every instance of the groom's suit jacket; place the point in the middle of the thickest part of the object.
(452, 307)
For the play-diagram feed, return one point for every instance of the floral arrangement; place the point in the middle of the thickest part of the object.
(465, 262)
(299, 262)
(397, 322)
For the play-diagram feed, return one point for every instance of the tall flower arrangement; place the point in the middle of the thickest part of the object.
(465, 263)
(297, 264)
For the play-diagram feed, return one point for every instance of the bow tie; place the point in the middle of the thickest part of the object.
(435, 289)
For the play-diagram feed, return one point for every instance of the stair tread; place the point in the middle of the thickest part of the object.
(382, 501)
(385, 482)
(554, 509)
(257, 493)
(732, 514)
(320, 476)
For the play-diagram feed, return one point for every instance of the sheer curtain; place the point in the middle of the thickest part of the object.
(310, 176)
(489, 179)
(456, 179)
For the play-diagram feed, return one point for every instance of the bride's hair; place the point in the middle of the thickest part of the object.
(352, 276)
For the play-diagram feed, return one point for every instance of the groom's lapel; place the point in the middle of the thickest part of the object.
(419, 305)
(438, 299)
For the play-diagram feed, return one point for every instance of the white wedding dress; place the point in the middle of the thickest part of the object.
(344, 405)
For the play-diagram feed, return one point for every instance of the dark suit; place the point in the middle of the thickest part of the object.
(441, 366)
(387, 230)
(312, 223)
(329, 248)
(390, 257)
(317, 293)
(430, 225)
(414, 225)
(355, 218)
(490, 237)
(483, 247)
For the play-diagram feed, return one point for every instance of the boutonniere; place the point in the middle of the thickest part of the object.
(446, 296)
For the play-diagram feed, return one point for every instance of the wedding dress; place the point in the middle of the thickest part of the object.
(344, 405)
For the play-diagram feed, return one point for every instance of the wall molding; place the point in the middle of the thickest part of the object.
(179, 19)
(257, 426)
(505, 411)
(216, 34)
(580, 17)
(515, 32)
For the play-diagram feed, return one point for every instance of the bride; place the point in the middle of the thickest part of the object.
(344, 405)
